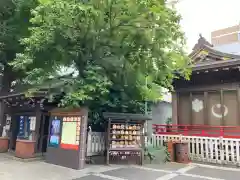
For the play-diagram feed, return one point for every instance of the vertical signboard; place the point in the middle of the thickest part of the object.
(70, 133)
(66, 145)
(55, 132)
(21, 126)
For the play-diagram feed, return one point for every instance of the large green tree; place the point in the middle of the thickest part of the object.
(119, 52)
(14, 24)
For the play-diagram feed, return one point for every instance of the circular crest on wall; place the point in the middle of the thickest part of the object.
(197, 105)
(216, 111)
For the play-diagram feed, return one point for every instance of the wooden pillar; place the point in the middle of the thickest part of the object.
(108, 141)
(83, 138)
(42, 135)
(143, 144)
(175, 102)
(37, 128)
(2, 118)
(205, 108)
(222, 107)
(2, 105)
(190, 106)
(238, 103)
(13, 127)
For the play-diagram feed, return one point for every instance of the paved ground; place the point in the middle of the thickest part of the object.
(16, 170)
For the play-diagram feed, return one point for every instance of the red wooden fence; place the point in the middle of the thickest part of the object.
(198, 130)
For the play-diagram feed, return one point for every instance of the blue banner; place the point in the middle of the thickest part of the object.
(55, 133)
(24, 127)
(28, 125)
(21, 126)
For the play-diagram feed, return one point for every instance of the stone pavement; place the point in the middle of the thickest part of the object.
(38, 170)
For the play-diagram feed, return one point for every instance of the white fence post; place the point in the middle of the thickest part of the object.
(215, 150)
(222, 149)
(237, 152)
(95, 143)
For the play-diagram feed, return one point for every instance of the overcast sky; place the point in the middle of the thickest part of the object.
(204, 16)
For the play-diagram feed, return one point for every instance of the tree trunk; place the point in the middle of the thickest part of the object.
(1, 103)
(6, 77)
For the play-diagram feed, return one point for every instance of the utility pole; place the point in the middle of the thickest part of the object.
(145, 108)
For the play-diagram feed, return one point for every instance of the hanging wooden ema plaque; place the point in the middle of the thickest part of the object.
(70, 133)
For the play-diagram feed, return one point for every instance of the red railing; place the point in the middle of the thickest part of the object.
(198, 130)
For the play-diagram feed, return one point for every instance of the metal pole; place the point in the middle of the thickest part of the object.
(145, 109)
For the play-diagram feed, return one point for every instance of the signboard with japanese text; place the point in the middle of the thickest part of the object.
(70, 133)
(55, 132)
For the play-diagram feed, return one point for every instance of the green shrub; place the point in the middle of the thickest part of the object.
(156, 155)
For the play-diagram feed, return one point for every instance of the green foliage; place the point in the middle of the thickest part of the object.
(156, 154)
(119, 52)
(14, 24)
(168, 156)
(14, 18)
(169, 121)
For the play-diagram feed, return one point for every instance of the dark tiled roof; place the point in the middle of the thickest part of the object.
(126, 116)
(201, 41)
(41, 89)
(204, 56)
(203, 44)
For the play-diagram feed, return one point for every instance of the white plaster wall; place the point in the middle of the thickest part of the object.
(161, 111)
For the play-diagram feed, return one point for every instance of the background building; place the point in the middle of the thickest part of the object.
(161, 111)
(227, 40)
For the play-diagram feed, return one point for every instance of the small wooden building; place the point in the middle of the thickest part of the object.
(26, 121)
(33, 126)
(212, 96)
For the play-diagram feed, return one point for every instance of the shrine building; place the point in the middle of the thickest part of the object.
(212, 95)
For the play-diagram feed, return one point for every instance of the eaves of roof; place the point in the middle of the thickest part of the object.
(217, 64)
